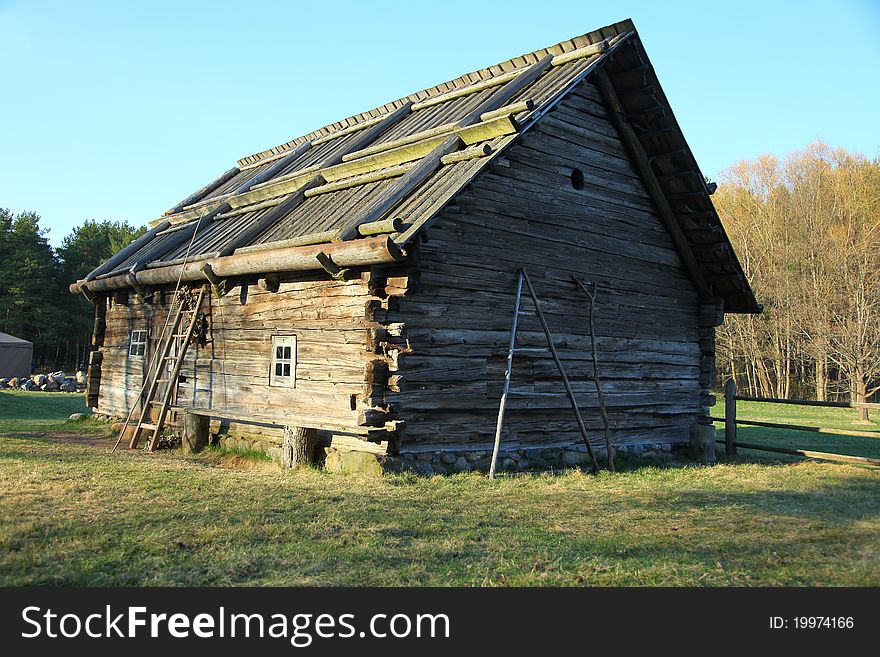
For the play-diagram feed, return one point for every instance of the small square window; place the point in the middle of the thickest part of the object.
(283, 369)
(138, 343)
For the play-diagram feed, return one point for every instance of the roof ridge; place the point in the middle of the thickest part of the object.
(521, 61)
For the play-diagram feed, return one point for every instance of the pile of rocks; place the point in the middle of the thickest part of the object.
(54, 382)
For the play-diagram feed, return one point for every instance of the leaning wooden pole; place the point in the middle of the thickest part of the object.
(565, 382)
(600, 393)
(500, 423)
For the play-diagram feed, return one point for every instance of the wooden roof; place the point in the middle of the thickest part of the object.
(408, 158)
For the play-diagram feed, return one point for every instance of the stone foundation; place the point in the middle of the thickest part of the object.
(516, 460)
(347, 459)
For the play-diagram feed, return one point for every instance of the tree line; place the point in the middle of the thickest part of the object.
(807, 231)
(35, 303)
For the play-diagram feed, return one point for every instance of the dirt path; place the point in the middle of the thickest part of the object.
(70, 438)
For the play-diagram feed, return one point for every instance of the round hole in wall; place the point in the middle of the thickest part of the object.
(577, 178)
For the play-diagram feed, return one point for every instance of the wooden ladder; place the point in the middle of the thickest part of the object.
(523, 277)
(166, 370)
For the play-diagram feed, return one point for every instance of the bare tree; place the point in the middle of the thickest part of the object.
(807, 231)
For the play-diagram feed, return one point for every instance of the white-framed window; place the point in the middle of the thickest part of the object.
(138, 343)
(283, 372)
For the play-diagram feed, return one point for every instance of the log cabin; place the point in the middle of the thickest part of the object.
(361, 280)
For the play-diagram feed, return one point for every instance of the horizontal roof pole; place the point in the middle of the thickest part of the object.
(352, 253)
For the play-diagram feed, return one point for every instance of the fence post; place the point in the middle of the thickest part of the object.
(730, 417)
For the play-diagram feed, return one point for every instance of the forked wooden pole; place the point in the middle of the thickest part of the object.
(565, 382)
(597, 381)
(500, 423)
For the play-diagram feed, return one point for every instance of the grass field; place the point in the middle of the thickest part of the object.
(73, 514)
(815, 416)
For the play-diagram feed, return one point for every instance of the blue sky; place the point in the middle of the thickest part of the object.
(118, 110)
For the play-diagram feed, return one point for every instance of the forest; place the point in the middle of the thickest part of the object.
(35, 303)
(806, 228)
(807, 231)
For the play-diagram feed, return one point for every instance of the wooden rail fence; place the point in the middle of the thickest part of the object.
(731, 421)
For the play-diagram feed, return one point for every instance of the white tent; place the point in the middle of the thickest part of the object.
(15, 356)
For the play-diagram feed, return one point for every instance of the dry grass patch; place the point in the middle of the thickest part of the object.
(76, 515)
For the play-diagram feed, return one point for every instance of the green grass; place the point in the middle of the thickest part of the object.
(78, 515)
(42, 412)
(815, 416)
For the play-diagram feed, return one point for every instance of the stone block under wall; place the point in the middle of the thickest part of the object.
(343, 454)
(515, 460)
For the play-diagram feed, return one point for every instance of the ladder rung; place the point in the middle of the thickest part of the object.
(145, 425)
(170, 358)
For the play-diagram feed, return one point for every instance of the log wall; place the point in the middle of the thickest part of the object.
(526, 211)
(228, 374)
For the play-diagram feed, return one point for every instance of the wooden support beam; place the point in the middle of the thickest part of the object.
(472, 131)
(668, 155)
(303, 240)
(506, 93)
(204, 191)
(468, 90)
(182, 260)
(246, 209)
(142, 292)
(263, 223)
(640, 158)
(478, 150)
(269, 282)
(266, 160)
(443, 129)
(372, 133)
(269, 172)
(514, 108)
(327, 264)
(362, 179)
(388, 155)
(357, 127)
(372, 417)
(181, 235)
(217, 283)
(478, 132)
(266, 174)
(382, 159)
(392, 225)
(406, 184)
(124, 254)
(581, 53)
(355, 253)
(296, 179)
